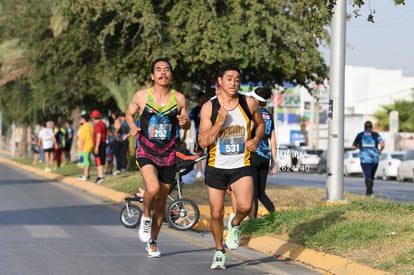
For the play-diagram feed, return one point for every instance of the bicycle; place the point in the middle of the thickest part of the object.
(181, 213)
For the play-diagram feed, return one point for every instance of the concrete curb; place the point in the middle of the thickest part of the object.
(323, 261)
(329, 264)
(87, 186)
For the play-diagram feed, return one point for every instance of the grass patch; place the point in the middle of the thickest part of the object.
(370, 231)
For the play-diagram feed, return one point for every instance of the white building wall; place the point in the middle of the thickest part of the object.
(366, 89)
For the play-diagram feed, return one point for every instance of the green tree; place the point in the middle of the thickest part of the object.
(71, 45)
(405, 115)
(122, 92)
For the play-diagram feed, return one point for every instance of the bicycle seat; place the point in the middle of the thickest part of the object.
(137, 198)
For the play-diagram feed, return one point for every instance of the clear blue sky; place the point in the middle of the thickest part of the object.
(388, 43)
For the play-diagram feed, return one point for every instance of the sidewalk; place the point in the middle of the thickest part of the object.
(323, 262)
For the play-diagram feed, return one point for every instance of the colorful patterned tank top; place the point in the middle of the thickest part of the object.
(156, 140)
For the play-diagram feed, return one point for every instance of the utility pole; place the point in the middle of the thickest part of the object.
(335, 180)
(1, 130)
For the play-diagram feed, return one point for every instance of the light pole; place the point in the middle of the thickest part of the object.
(335, 177)
(1, 130)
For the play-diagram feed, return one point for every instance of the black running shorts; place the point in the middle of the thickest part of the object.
(166, 174)
(223, 178)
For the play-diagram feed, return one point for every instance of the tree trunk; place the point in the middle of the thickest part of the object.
(76, 116)
(22, 149)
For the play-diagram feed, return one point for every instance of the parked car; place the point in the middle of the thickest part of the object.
(388, 163)
(352, 163)
(309, 158)
(323, 159)
(406, 167)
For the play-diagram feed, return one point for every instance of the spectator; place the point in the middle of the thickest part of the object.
(35, 148)
(68, 141)
(99, 140)
(47, 142)
(109, 152)
(60, 144)
(195, 116)
(121, 144)
(370, 146)
(85, 146)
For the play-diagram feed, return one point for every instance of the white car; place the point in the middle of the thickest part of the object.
(388, 163)
(309, 159)
(352, 164)
(406, 168)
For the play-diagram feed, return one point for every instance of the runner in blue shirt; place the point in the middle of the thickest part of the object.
(264, 157)
(370, 145)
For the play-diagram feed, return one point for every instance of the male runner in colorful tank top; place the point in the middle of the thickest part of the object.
(160, 110)
(225, 130)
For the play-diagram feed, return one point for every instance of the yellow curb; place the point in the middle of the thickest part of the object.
(204, 221)
(90, 187)
(5, 152)
(324, 261)
(329, 203)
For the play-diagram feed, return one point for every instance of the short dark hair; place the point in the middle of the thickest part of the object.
(228, 67)
(85, 117)
(164, 59)
(264, 92)
(368, 125)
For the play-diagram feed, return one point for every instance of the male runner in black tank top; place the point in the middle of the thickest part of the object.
(160, 110)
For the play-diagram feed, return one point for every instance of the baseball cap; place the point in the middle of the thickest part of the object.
(95, 113)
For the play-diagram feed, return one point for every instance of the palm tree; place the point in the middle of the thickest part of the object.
(405, 115)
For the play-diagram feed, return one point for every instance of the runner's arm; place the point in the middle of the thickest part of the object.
(257, 119)
(208, 132)
(183, 119)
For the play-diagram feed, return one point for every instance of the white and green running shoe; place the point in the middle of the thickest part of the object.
(233, 234)
(219, 261)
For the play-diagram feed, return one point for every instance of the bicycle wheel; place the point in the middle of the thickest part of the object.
(182, 214)
(131, 218)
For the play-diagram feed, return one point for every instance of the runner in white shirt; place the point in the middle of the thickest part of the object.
(47, 142)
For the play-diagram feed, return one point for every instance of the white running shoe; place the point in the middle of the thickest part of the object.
(233, 234)
(152, 249)
(219, 261)
(199, 176)
(144, 232)
(83, 178)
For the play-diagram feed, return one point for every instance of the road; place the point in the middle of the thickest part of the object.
(392, 190)
(47, 227)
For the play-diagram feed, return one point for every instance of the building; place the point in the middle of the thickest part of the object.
(366, 90)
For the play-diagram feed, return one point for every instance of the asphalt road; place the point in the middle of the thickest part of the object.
(47, 228)
(391, 190)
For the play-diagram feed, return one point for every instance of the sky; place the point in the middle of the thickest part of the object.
(386, 44)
